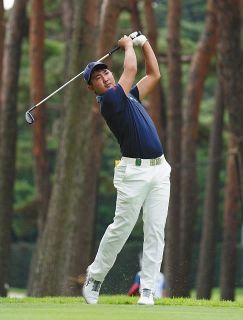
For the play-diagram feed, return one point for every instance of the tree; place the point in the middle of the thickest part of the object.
(2, 27)
(37, 93)
(8, 131)
(156, 98)
(230, 225)
(173, 144)
(197, 74)
(136, 21)
(67, 18)
(231, 74)
(205, 272)
(58, 247)
(36, 53)
(231, 68)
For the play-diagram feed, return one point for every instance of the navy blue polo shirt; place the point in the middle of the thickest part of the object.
(130, 123)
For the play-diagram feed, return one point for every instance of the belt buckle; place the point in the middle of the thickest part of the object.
(138, 162)
(153, 162)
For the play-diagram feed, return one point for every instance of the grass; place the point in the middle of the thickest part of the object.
(118, 308)
(216, 294)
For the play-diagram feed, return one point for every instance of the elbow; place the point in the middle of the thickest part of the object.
(157, 76)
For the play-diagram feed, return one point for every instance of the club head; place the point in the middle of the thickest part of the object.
(29, 118)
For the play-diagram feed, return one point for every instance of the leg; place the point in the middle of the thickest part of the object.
(154, 216)
(114, 238)
(131, 193)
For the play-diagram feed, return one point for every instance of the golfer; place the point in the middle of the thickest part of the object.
(142, 176)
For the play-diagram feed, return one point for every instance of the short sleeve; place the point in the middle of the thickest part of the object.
(134, 91)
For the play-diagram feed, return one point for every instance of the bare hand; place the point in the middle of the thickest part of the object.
(125, 42)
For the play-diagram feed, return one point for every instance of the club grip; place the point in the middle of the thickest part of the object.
(117, 47)
(137, 35)
(113, 50)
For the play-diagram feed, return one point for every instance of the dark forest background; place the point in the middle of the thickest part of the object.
(56, 176)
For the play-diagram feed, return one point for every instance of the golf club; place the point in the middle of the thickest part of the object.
(29, 117)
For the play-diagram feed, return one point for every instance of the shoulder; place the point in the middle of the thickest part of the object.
(113, 94)
(117, 92)
(113, 101)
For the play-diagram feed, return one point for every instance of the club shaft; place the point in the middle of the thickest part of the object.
(65, 84)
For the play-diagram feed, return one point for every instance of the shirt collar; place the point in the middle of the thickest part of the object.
(99, 99)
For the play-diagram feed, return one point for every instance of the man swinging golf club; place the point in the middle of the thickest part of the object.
(142, 177)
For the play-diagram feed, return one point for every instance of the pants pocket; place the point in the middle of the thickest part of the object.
(119, 174)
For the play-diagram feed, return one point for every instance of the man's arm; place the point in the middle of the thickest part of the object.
(147, 83)
(130, 64)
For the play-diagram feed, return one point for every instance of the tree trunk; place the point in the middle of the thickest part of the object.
(230, 226)
(241, 8)
(156, 98)
(231, 75)
(173, 145)
(231, 69)
(8, 131)
(37, 93)
(205, 272)
(136, 21)
(36, 40)
(58, 246)
(194, 91)
(67, 18)
(2, 30)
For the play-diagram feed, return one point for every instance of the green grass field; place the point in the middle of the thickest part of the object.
(118, 308)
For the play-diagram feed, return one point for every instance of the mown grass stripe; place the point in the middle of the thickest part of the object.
(121, 299)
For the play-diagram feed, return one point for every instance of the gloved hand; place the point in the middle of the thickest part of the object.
(138, 40)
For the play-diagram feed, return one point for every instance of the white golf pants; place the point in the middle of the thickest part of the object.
(148, 187)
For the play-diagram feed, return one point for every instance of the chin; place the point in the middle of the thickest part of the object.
(108, 87)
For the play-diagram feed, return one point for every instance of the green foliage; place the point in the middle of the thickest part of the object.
(54, 65)
(124, 23)
(23, 190)
(191, 30)
(53, 27)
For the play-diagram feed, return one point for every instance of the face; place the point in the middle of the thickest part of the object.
(101, 80)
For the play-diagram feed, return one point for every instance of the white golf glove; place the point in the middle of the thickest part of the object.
(138, 40)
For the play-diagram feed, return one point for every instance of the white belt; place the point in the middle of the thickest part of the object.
(142, 162)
